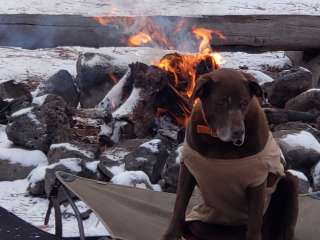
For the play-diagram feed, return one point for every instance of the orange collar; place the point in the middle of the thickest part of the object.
(204, 129)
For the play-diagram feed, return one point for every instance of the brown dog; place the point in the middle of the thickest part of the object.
(228, 130)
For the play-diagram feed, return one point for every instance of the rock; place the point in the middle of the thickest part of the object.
(61, 84)
(111, 161)
(308, 101)
(96, 75)
(149, 157)
(13, 90)
(170, 173)
(13, 171)
(41, 179)
(316, 177)
(39, 126)
(303, 183)
(289, 84)
(301, 149)
(72, 150)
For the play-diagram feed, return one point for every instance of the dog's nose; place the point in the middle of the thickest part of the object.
(238, 137)
(237, 134)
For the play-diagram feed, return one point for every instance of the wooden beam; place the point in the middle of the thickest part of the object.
(242, 32)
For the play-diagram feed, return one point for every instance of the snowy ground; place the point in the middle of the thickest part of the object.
(160, 7)
(21, 64)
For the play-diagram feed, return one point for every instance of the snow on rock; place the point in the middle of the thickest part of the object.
(114, 96)
(38, 174)
(92, 166)
(260, 76)
(39, 100)
(302, 139)
(134, 179)
(316, 177)
(26, 158)
(298, 174)
(22, 112)
(129, 105)
(72, 147)
(14, 198)
(152, 145)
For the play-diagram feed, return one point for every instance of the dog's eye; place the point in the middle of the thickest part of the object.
(244, 104)
(222, 103)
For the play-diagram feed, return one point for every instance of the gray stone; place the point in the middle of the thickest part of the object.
(308, 101)
(13, 171)
(170, 173)
(289, 84)
(96, 75)
(149, 157)
(62, 84)
(13, 90)
(40, 126)
(297, 151)
(72, 150)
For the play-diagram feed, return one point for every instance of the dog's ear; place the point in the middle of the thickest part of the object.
(202, 88)
(254, 87)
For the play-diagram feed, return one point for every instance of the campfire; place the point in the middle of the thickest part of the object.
(147, 93)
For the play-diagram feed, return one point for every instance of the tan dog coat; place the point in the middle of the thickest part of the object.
(223, 183)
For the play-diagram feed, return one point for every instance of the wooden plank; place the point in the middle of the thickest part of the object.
(245, 33)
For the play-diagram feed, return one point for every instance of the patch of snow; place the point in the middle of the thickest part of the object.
(298, 174)
(115, 170)
(134, 179)
(26, 158)
(39, 100)
(152, 145)
(4, 141)
(141, 159)
(302, 139)
(92, 166)
(14, 198)
(72, 147)
(21, 112)
(260, 76)
(129, 105)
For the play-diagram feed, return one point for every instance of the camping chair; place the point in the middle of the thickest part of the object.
(138, 214)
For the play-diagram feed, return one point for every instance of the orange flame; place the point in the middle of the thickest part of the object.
(104, 21)
(139, 39)
(113, 78)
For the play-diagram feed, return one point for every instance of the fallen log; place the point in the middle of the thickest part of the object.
(242, 32)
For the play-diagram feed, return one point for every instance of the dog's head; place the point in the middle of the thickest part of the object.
(225, 96)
